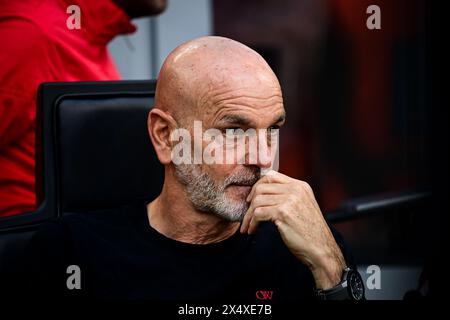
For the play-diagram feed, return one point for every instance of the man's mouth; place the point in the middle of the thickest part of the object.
(243, 180)
(243, 189)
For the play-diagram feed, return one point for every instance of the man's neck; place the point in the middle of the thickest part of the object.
(172, 215)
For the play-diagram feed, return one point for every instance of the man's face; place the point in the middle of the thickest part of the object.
(222, 188)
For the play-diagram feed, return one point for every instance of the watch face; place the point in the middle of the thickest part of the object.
(355, 285)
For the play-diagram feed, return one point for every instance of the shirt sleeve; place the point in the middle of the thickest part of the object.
(25, 62)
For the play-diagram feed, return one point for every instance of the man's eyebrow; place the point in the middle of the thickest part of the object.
(236, 120)
(239, 120)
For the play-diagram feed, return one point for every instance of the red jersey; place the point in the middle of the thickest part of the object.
(38, 46)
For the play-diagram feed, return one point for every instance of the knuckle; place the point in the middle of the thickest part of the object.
(298, 186)
(305, 187)
(283, 211)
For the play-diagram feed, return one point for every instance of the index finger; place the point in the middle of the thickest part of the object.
(270, 177)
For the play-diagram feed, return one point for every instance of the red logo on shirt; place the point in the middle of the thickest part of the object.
(264, 294)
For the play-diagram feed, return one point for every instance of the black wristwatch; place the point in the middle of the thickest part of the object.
(351, 287)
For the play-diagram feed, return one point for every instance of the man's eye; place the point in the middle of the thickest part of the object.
(232, 130)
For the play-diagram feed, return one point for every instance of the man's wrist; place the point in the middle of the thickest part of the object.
(327, 272)
(328, 278)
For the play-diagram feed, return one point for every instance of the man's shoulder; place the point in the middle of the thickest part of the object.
(105, 215)
(92, 223)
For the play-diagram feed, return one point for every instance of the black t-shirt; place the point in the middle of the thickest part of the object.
(120, 255)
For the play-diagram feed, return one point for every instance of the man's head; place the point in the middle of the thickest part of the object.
(225, 85)
(142, 8)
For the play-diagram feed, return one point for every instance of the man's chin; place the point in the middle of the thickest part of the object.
(238, 192)
(235, 210)
(232, 217)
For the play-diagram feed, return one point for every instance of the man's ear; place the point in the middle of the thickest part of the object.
(160, 125)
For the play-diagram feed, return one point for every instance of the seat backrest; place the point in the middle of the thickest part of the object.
(103, 154)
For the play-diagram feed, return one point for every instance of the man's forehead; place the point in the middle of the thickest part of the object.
(210, 71)
(246, 112)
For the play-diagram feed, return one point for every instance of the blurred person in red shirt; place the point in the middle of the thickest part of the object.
(39, 46)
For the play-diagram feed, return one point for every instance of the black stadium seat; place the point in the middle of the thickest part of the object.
(93, 152)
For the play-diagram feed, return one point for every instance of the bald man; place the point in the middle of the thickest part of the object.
(222, 229)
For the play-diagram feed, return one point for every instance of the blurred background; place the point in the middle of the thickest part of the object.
(358, 105)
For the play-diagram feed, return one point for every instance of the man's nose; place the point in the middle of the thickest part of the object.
(263, 156)
(264, 160)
